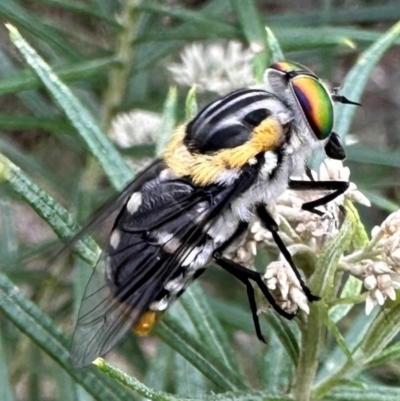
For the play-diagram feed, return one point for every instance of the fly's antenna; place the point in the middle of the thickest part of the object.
(342, 99)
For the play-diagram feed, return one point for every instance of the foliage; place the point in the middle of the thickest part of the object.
(69, 69)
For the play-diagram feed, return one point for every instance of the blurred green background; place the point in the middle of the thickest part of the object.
(119, 56)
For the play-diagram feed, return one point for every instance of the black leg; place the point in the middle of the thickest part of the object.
(271, 225)
(309, 173)
(338, 188)
(245, 275)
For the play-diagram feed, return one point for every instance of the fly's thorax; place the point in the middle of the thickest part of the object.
(228, 135)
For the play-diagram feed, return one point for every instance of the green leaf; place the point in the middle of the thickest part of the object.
(197, 354)
(131, 382)
(351, 288)
(157, 375)
(285, 335)
(382, 202)
(358, 76)
(274, 47)
(370, 393)
(339, 338)
(360, 236)
(199, 20)
(253, 27)
(24, 122)
(40, 329)
(385, 327)
(78, 71)
(322, 280)
(12, 12)
(188, 381)
(249, 396)
(99, 145)
(389, 354)
(55, 215)
(80, 8)
(361, 154)
(277, 369)
(191, 103)
(210, 331)
(150, 394)
(6, 393)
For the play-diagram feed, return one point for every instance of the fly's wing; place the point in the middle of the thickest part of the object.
(112, 207)
(156, 233)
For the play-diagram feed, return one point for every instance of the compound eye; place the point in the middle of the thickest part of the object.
(255, 117)
(316, 104)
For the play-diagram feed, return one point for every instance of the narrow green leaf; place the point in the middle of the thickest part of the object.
(27, 162)
(253, 28)
(191, 103)
(274, 47)
(277, 368)
(55, 215)
(390, 354)
(339, 338)
(381, 201)
(338, 15)
(209, 329)
(323, 277)
(197, 354)
(24, 122)
(370, 393)
(157, 374)
(358, 76)
(360, 236)
(188, 381)
(80, 8)
(12, 12)
(266, 395)
(168, 121)
(40, 329)
(131, 382)
(285, 335)
(34, 101)
(78, 71)
(351, 288)
(150, 394)
(9, 242)
(200, 20)
(6, 393)
(302, 38)
(361, 154)
(385, 327)
(99, 145)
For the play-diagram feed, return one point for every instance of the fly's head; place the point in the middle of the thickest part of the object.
(311, 102)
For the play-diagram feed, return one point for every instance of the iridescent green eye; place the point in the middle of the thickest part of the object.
(316, 104)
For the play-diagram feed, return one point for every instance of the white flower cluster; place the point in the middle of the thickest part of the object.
(379, 263)
(215, 67)
(135, 128)
(285, 287)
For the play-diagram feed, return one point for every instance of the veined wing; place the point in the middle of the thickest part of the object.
(157, 247)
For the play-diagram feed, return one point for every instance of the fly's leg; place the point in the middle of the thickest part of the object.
(338, 188)
(246, 275)
(271, 225)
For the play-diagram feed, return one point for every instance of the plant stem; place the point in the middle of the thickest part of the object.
(119, 72)
(312, 337)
